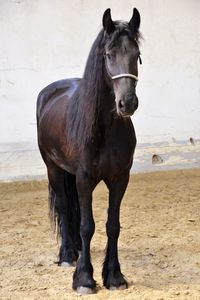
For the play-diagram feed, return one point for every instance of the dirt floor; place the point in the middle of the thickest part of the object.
(159, 246)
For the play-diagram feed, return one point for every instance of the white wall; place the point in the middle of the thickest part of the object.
(43, 41)
(170, 79)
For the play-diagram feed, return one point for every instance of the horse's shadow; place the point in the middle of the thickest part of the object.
(158, 270)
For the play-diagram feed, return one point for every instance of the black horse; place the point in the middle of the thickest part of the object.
(85, 135)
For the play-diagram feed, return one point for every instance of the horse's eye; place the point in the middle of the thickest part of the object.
(109, 56)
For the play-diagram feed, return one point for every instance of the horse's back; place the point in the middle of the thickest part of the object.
(54, 90)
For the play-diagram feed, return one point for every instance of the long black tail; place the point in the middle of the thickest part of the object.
(74, 216)
(71, 209)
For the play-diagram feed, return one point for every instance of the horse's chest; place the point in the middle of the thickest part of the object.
(113, 158)
(116, 156)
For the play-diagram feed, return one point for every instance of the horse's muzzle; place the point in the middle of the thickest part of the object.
(128, 106)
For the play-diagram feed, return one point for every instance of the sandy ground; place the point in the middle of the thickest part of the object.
(159, 246)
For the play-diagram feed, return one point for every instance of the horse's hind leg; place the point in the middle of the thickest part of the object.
(59, 211)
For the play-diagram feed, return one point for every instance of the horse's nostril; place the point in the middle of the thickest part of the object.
(121, 104)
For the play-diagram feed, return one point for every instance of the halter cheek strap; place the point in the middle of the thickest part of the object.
(124, 75)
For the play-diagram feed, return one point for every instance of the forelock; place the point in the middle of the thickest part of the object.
(122, 29)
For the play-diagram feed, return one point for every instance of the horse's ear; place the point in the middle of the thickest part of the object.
(107, 21)
(134, 23)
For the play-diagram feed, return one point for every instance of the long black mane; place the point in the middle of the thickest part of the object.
(84, 110)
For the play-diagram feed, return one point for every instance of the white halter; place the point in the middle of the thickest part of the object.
(124, 75)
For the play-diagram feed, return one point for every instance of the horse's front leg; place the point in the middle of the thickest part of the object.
(112, 276)
(83, 281)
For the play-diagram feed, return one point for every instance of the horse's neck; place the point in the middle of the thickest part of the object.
(106, 106)
(100, 100)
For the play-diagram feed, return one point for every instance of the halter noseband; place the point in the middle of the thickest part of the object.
(124, 75)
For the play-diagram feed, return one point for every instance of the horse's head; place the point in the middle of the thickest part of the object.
(121, 54)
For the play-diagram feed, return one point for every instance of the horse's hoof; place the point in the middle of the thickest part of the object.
(83, 290)
(66, 264)
(115, 288)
